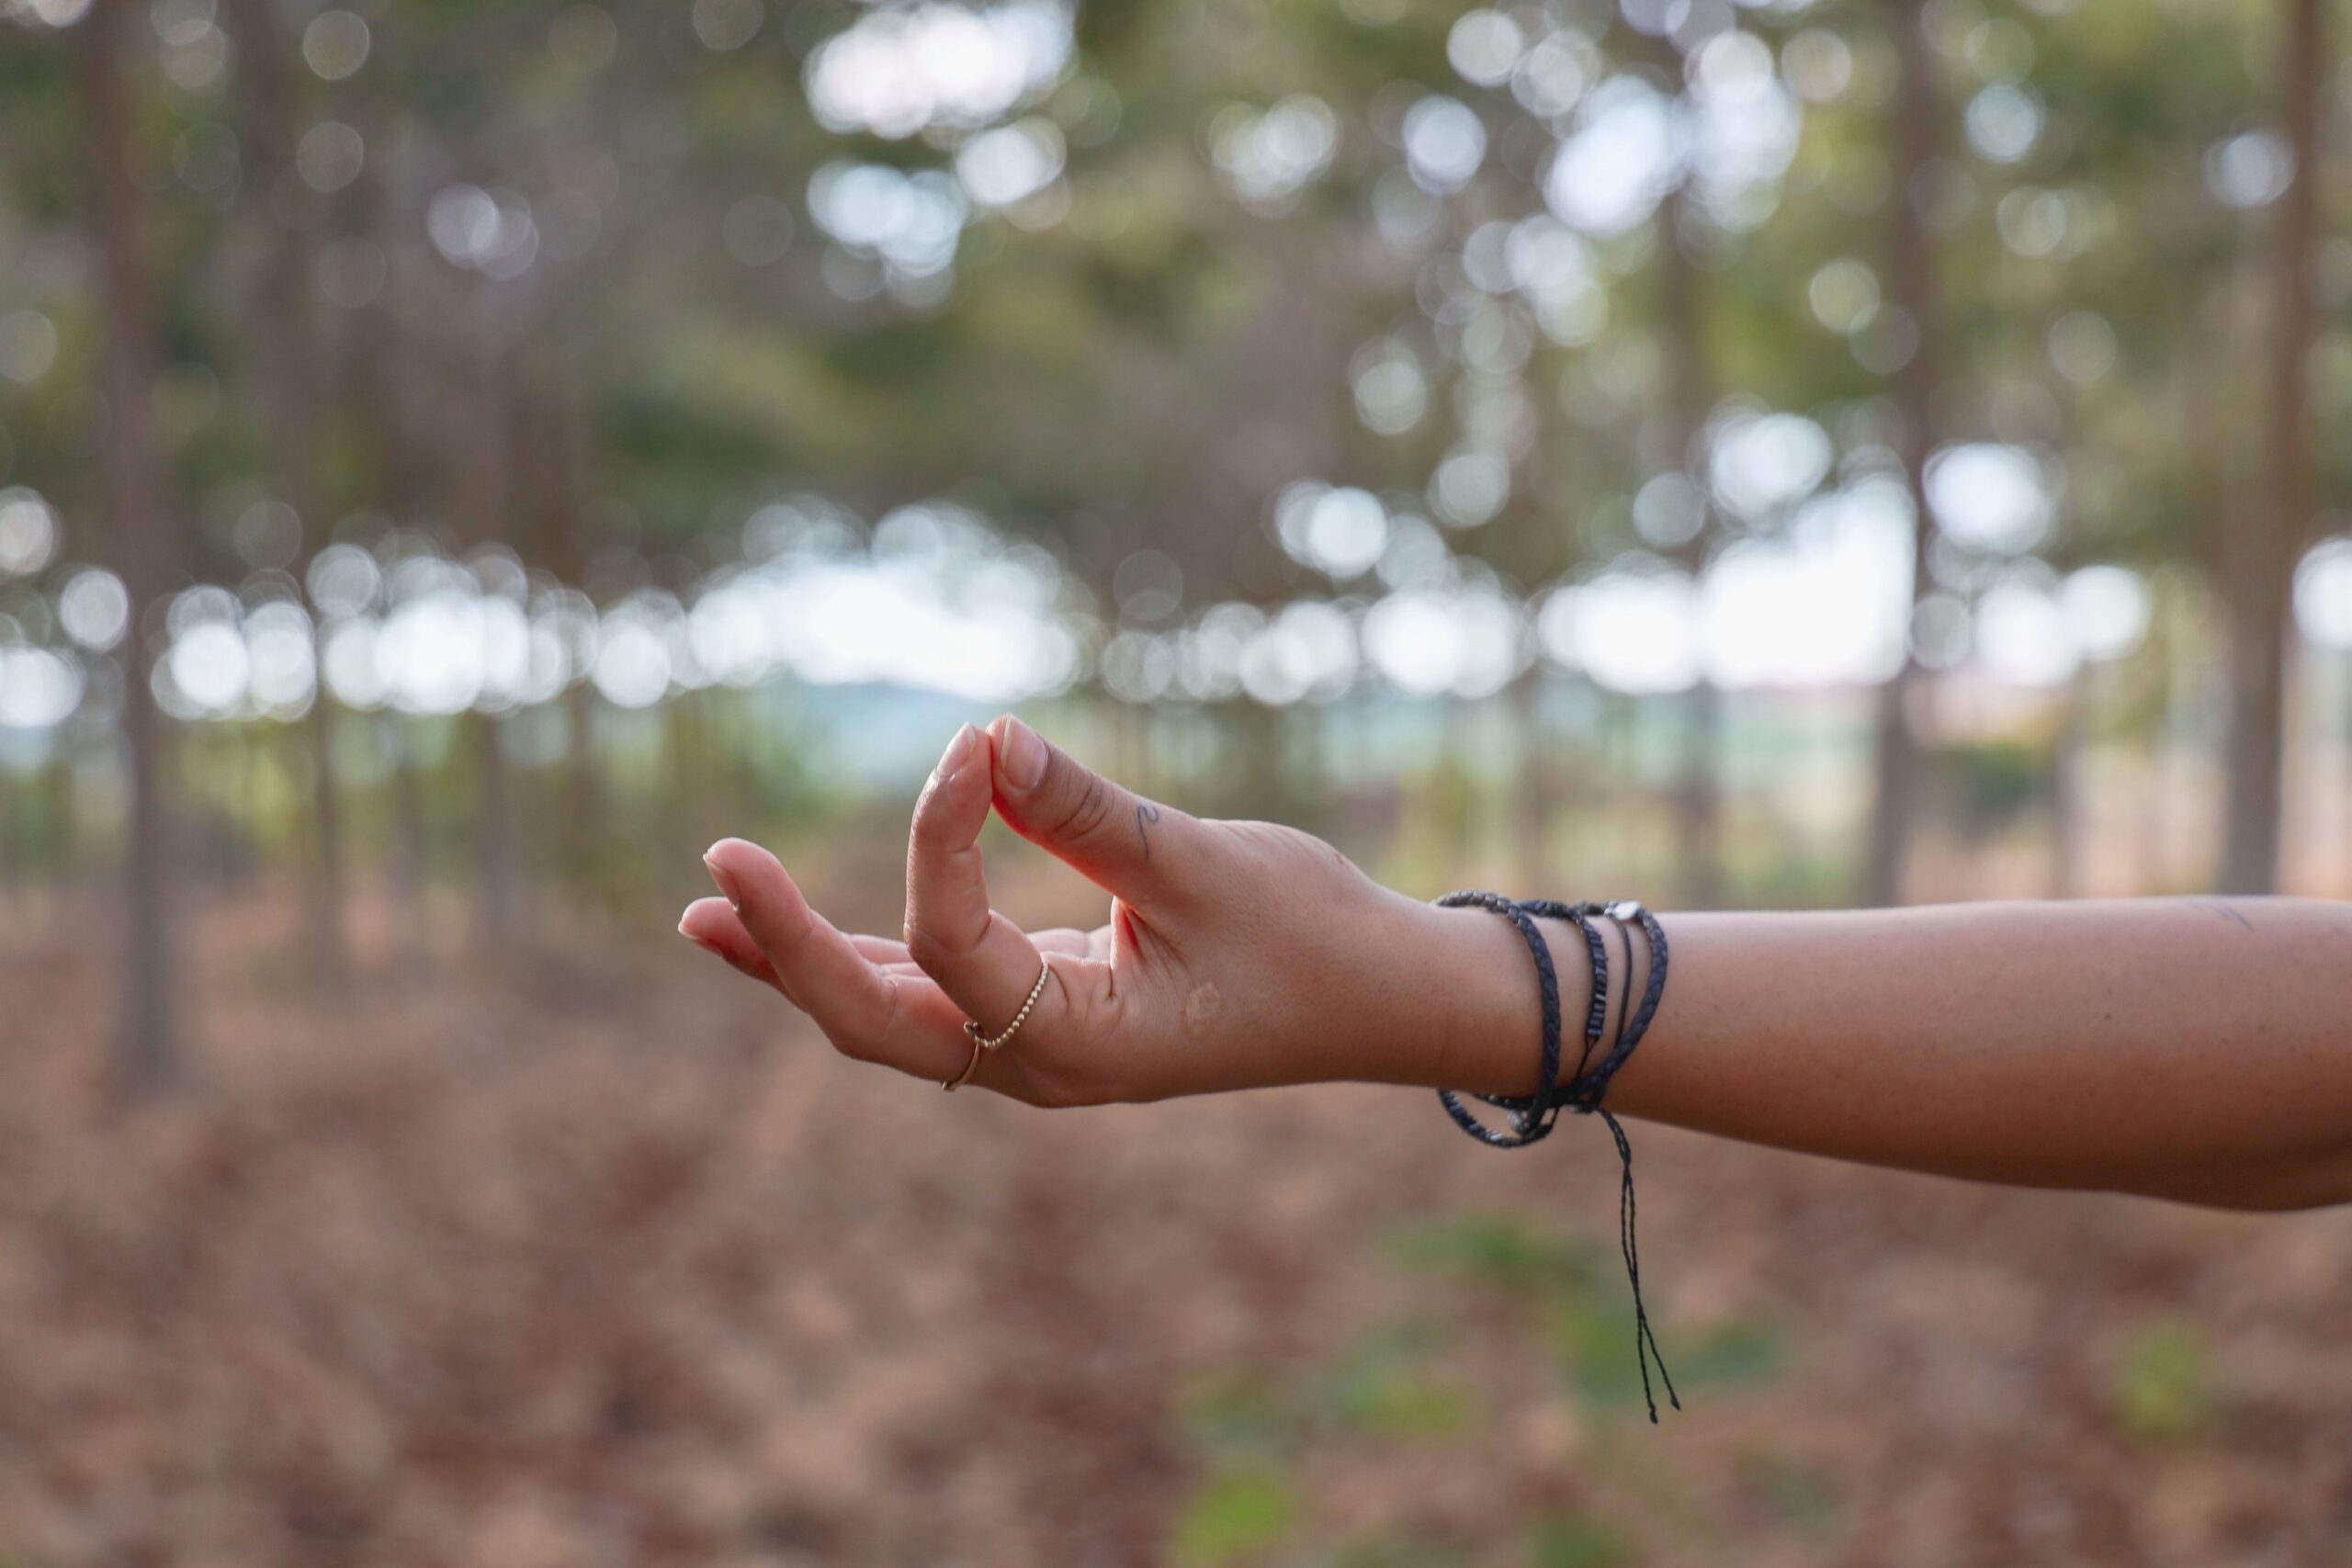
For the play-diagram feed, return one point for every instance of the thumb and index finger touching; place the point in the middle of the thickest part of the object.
(986, 964)
(1132, 848)
(982, 963)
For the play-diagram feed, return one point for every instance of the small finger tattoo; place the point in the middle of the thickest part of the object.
(1145, 813)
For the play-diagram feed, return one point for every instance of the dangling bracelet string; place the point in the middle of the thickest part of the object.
(1588, 1088)
(1532, 1117)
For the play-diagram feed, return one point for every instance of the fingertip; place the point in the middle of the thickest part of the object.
(706, 920)
(742, 860)
(735, 853)
(975, 781)
(1019, 754)
(754, 882)
(719, 860)
(954, 801)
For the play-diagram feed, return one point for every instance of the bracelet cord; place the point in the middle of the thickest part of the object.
(1533, 1116)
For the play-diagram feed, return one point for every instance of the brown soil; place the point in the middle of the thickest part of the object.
(600, 1258)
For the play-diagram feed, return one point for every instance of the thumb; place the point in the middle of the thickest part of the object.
(1140, 850)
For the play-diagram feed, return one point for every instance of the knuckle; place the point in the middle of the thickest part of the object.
(1063, 1088)
(1089, 807)
(930, 952)
(1047, 1092)
(774, 932)
(930, 816)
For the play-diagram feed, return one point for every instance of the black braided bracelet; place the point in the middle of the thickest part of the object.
(1533, 1116)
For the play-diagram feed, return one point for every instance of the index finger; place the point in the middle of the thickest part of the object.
(981, 960)
(896, 1020)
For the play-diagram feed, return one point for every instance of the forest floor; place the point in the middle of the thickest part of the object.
(598, 1256)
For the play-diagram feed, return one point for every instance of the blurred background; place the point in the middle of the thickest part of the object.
(456, 461)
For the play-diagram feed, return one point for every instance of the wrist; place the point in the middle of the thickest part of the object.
(1483, 1030)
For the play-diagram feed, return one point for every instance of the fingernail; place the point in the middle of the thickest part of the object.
(1024, 755)
(952, 758)
(721, 875)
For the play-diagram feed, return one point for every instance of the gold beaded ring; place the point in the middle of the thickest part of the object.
(981, 1042)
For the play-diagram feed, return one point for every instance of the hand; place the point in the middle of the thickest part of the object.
(1237, 955)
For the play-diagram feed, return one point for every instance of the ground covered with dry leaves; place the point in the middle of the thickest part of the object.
(597, 1257)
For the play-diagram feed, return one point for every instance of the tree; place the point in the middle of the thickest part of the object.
(1689, 390)
(2260, 552)
(282, 323)
(144, 534)
(1915, 132)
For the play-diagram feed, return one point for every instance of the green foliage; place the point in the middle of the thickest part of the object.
(1764, 873)
(1578, 1308)
(1737, 1354)
(1235, 1512)
(1236, 1414)
(1994, 781)
(1576, 1542)
(1385, 1552)
(1385, 1389)
(2163, 1389)
(1506, 1251)
(1592, 1337)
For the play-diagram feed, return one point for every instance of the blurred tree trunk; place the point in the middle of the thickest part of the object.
(555, 458)
(584, 782)
(1698, 803)
(2344, 773)
(1915, 132)
(1260, 781)
(63, 822)
(282, 326)
(1533, 785)
(380, 372)
(411, 943)
(16, 802)
(480, 475)
(2259, 553)
(493, 834)
(137, 494)
(1131, 727)
(2071, 821)
(381, 377)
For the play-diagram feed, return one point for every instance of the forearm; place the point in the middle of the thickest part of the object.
(2192, 1049)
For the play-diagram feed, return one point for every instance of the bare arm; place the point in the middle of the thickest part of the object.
(2182, 1048)
(2188, 1049)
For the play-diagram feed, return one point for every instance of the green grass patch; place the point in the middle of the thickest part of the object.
(1387, 1552)
(1593, 1340)
(1509, 1251)
(1576, 1542)
(1235, 1514)
(1384, 1388)
(1238, 1416)
(2163, 1383)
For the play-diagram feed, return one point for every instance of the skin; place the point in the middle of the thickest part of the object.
(2193, 1049)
